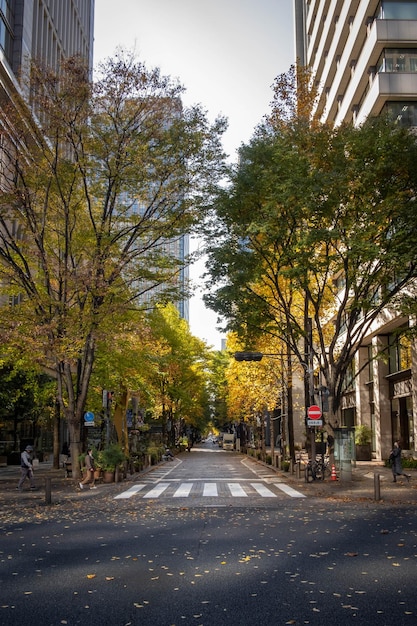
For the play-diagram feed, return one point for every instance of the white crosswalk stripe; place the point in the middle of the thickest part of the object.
(289, 490)
(130, 492)
(156, 491)
(263, 491)
(237, 490)
(183, 490)
(186, 489)
(210, 489)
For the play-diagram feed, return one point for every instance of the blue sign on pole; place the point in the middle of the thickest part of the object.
(89, 418)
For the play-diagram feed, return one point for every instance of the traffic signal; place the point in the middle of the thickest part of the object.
(108, 397)
(248, 356)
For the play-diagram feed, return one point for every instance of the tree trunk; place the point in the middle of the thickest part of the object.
(72, 395)
(57, 443)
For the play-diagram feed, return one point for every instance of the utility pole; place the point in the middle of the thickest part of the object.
(310, 379)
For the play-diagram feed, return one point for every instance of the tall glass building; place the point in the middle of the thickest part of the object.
(44, 29)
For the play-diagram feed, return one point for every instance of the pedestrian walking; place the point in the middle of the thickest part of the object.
(396, 464)
(90, 467)
(26, 468)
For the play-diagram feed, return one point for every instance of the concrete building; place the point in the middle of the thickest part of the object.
(363, 54)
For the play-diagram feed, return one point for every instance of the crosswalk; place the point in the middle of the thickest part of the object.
(209, 489)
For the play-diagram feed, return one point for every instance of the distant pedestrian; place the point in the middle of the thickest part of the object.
(26, 467)
(168, 456)
(90, 467)
(396, 465)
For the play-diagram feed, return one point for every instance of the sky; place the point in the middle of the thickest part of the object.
(226, 53)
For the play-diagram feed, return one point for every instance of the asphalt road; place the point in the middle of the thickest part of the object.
(208, 476)
(214, 559)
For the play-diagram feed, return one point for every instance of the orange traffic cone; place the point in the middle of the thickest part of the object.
(333, 474)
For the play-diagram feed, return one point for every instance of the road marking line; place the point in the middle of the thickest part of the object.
(130, 492)
(156, 491)
(263, 491)
(289, 490)
(237, 490)
(183, 490)
(210, 489)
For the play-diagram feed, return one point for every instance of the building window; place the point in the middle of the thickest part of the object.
(6, 33)
(397, 10)
(398, 60)
(403, 113)
(349, 381)
(370, 364)
(399, 353)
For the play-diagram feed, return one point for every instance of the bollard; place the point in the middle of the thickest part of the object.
(377, 487)
(48, 491)
(297, 470)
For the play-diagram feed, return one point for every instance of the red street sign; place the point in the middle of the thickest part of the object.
(314, 412)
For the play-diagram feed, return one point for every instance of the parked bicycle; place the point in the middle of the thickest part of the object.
(319, 469)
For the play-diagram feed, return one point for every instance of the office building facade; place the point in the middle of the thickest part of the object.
(363, 56)
(44, 29)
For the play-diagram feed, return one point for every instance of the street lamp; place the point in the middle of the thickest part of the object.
(248, 356)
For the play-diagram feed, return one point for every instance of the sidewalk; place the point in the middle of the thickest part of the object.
(363, 486)
(360, 488)
(62, 489)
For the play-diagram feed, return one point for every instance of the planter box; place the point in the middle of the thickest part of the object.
(363, 452)
(108, 477)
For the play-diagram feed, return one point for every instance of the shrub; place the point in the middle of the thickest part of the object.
(155, 453)
(111, 457)
(363, 435)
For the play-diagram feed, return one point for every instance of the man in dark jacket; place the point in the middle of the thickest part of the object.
(26, 468)
(396, 465)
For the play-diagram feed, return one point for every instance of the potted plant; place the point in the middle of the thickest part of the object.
(110, 459)
(363, 443)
